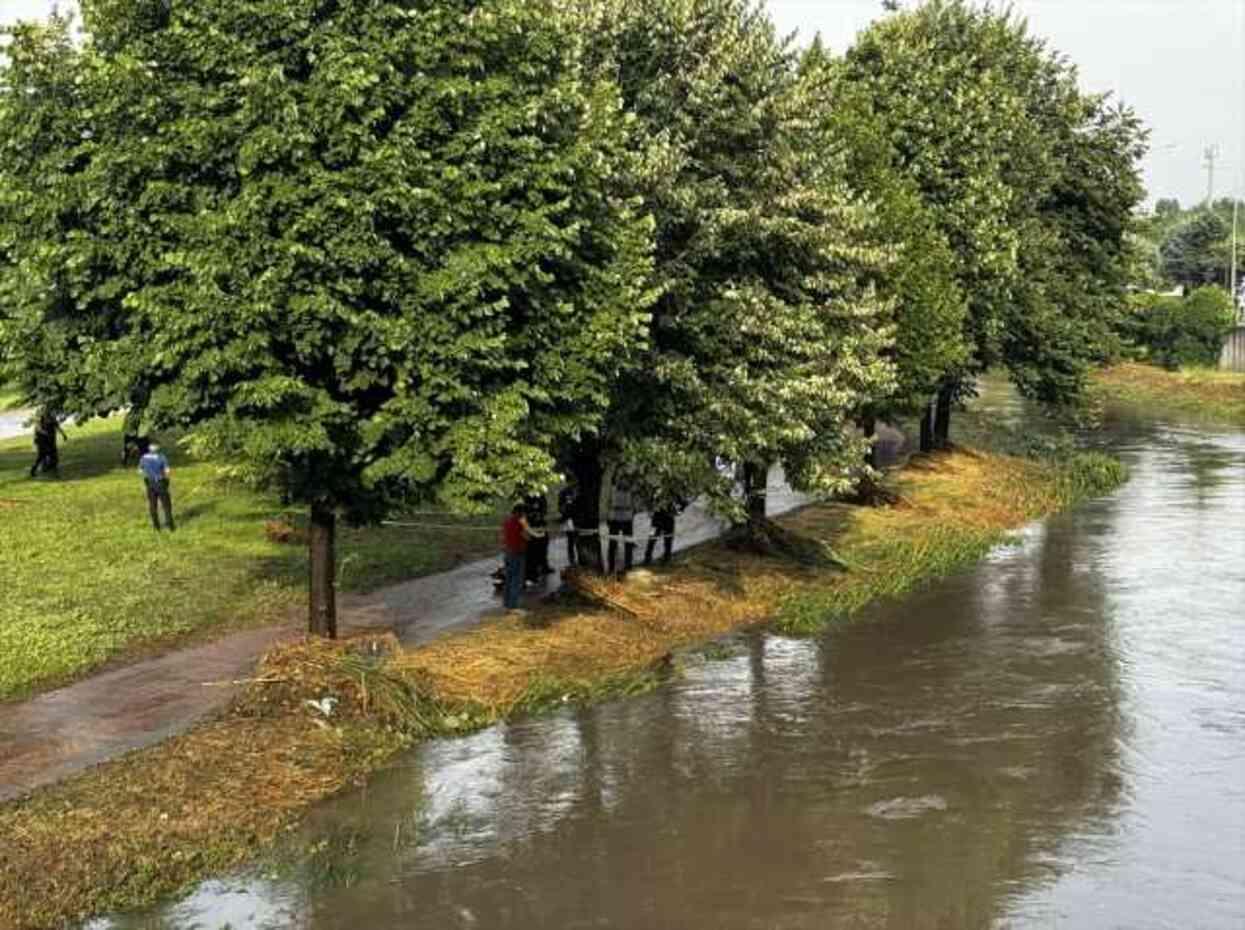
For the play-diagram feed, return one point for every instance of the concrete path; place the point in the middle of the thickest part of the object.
(11, 423)
(56, 734)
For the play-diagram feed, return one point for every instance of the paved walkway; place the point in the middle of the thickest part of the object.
(11, 423)
(62, 732)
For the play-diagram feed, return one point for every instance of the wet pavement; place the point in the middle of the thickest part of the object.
(1055, 738)
(56, 734)
(12, 423)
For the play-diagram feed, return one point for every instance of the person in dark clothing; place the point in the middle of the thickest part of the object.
(155, 471)
(515, 534)
(47, 456)
(134, 447)
(538, 546)
(662, 523)
(621, 527)
(568, 500)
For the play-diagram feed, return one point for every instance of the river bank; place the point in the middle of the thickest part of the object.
(1201, 394)
(320, 717)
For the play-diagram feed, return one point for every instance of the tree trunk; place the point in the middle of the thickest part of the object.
(942, 417)
(756, 480)
(321, 544)
(927, 428)
(869, 426)
(589, 477)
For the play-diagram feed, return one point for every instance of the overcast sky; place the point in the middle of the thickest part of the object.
(1180, 63)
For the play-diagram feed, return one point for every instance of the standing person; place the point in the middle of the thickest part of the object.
(47, 456)
(621, 524)
(537, 565)
(515, 533)
(663, 521)
(154, 468)
(568, 500)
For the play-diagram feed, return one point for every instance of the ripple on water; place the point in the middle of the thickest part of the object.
(907, 808)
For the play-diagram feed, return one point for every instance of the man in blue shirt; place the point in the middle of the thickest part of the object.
(154, 468)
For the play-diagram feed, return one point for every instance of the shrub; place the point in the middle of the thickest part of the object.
(1175, 332)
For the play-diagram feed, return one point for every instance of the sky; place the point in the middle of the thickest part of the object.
(1179, 63)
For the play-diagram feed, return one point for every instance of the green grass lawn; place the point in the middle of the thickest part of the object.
(86, 580)
(8, 398)
(1198, 394)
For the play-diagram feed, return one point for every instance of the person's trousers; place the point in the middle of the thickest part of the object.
(664, 532)
(621, 528)
(158, 496)
(513, 585)
(572, 546)
(46, 459)
(536, 559)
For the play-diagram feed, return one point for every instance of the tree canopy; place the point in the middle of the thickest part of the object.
(382, 251)
(767, 333)
(1021, 172)
(390, 261)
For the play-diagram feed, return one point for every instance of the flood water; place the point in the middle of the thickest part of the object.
(1054, 739)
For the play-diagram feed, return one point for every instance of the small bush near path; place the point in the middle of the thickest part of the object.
(86, 580)
(322, 715)
(1200, 394)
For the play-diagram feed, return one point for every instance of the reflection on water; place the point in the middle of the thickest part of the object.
(1055, 739)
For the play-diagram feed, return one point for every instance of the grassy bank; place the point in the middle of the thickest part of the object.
(1199, 394)
(86, 580)
(148, 824)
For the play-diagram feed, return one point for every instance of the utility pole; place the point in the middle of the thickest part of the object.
(1236, 209)
(1237, 303)
(1208, 161)
(1237, 300)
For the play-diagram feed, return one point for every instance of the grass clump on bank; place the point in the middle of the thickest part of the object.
(320, 716)
(86, 580)
(1200, 394)
(952, 511)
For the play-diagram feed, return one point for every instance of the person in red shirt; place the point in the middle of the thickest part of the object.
(515, 533)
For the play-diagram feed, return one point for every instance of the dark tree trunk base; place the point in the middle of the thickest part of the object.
(756, 488)
(322, 548)
(589, 477)
(927, 429)
(942, 417)
(869, 427)
(871, 493)
(769, 540)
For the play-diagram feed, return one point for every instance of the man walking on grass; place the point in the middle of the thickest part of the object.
(47, 456)
(154, 468)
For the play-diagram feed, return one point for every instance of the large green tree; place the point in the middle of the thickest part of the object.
(390, 260)
(927, 308)
(1198, 251)
(1077, 255)
(1022, 173)
(767, 335)
(58, 293)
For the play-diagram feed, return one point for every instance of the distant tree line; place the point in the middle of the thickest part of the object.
(1191, 248)
(1177, 332)
(374, 252)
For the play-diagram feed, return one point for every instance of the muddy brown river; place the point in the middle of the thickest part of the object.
(1054, 739)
